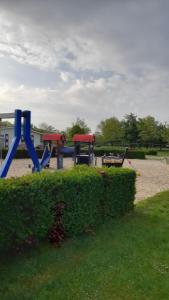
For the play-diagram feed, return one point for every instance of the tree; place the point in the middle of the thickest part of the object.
(162, 134)
(111, 130)
(131, 130)
(5, 123)
(79, 127)
(45, 128)
(99, 137)
(148, 130)
(165, 134)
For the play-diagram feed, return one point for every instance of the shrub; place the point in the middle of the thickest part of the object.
(61, 203)
(100, 151)
(82, 191)
(119, 191)
(25, 208)
(150, 152)
(133, 154)
(22, 153)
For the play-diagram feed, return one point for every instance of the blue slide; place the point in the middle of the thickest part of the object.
(45, 157)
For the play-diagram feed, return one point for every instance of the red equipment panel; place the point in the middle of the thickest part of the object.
(53, 137)
(84, 138)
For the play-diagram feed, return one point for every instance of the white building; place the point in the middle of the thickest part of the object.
(7, 133)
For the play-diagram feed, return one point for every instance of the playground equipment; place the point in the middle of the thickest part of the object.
(18, 115)
(84, 158)
(54, 144)
(114, 160)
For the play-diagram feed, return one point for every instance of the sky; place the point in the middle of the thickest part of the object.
(91, 59)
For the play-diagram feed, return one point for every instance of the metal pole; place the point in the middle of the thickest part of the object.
(27, 137)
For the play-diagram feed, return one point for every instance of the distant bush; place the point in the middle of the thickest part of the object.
(63, 203)
(150, 152)
(100, 151)
(133, 154)
(22, 153)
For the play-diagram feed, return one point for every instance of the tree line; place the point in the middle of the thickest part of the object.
(131, 130)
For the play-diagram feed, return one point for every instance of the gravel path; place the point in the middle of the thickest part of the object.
(154, 174)
(154, 177)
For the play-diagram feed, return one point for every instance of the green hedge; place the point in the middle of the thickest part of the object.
(22, 153)
(99, 151)
(131, 153)
(121, 185)
(87, 194)
(150, 152)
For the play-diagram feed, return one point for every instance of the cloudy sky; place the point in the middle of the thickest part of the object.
(90, 59)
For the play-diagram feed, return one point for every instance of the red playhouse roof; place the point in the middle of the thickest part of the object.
(53, 137)
(85, 138)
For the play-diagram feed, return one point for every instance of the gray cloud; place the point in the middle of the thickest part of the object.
(114, 32)
(99, 58)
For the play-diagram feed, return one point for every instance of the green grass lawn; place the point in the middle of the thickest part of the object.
(163, 153)
(126, 259)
